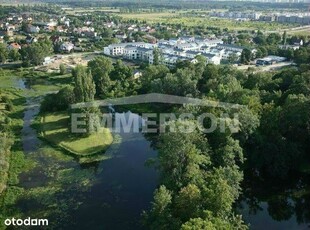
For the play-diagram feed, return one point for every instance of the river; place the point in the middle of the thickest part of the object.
(122, 187)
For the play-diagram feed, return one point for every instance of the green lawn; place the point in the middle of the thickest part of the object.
(78, 10)
(301, 32)
(54, 128)
(11, 157)
(191, 21)
(8, 80)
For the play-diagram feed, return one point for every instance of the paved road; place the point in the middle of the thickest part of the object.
(289, 29)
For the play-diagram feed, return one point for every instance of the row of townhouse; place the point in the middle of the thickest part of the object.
(285, 18)
(171, 60)
(294, 19)
(168, 57)
(139, 53)
(190, 43)
(230, 14)
(173, 50)
(121, 49)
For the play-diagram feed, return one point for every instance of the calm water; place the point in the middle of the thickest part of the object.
(29, 135)
(276, 204)
(262, 219)
(123, 186)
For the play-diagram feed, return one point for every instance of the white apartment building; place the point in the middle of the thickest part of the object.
(119, 49)
(213, 59)
(212, 42)
(173, 50)
(231, 47)
(171, 60)
(187, 46)
(115, 49)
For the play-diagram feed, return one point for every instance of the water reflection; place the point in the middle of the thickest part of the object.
(105, 195)
(269, 203)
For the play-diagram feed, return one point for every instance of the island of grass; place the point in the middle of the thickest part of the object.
(54, 129)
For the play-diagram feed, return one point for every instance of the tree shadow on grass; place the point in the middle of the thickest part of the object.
(62, 123)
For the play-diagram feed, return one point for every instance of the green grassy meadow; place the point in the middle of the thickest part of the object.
(193, 21)
(54, 128)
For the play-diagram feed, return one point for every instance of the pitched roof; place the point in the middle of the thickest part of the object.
(15, 45)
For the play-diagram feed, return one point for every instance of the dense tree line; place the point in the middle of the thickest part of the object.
(100, 79)
(201, 173)
(274, 137)
(176, 4)
(30, 54)
(6, 140)
(35, 53)
(112, 80)
(270, 45)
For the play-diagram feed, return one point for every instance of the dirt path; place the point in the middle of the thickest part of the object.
(69, 60)
(265, 68)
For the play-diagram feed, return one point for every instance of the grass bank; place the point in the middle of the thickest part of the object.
(53, 128)
(12, 159)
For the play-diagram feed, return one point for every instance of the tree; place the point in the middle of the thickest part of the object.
(151, 73)
(209, 80)
(159, 217)
(121, 77)
(62, 69)
(197, 180)
(273, 38)
(182, 157)
(156, 54)
(223, 186)
(284, 37)
(84, 87)
(302, 55)
(84, 91)
(3, 53)
(35, 53)
(232, 58)
(260, 39)
(263, 50)
(199, 223)
(6, 38)
(14, 55)
(101, 67)
(65, 97)
(188, 202)
(162, 198)
(259, 54)
(24, 26)
(200, 66)
(181, 83)
(246, 56)
(108, 33)
(210, 223)
(60, 101)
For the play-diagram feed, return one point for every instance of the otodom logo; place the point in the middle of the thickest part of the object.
(26, 222)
